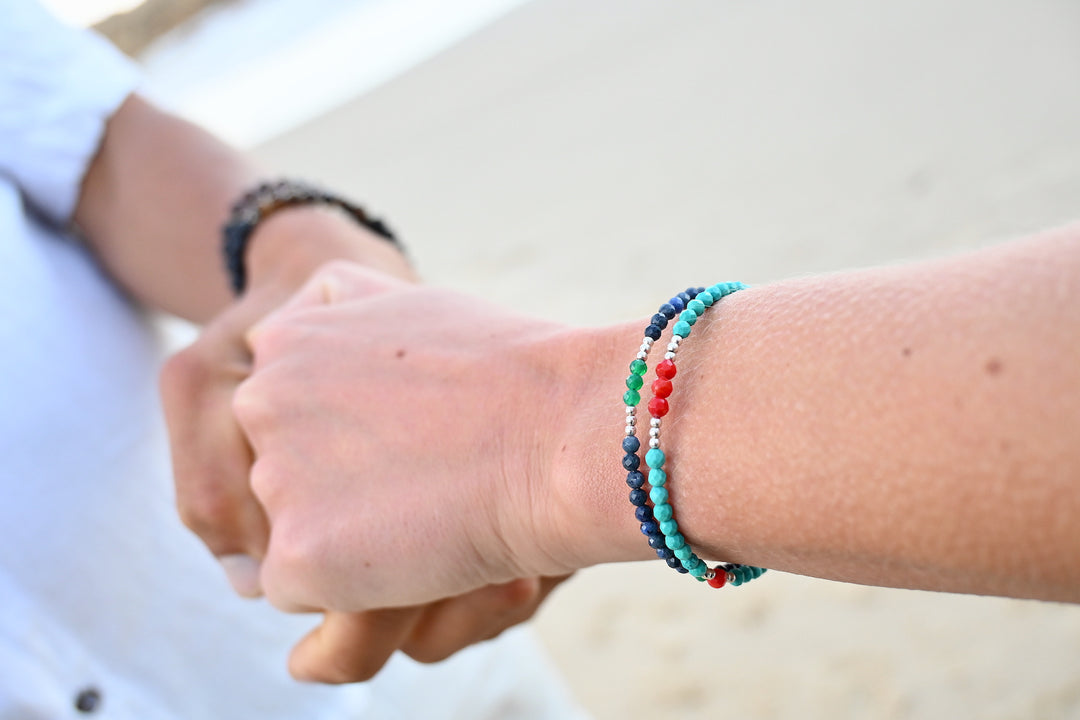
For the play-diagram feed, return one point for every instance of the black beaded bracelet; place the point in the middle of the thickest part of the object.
(257, 204)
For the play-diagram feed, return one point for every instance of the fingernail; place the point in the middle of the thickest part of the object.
(243, 574)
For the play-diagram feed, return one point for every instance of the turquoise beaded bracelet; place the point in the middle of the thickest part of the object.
(658, 523)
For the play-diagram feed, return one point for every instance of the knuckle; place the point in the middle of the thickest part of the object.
(250, 405)
(182, 372)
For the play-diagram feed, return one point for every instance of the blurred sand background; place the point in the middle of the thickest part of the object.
(580, 160)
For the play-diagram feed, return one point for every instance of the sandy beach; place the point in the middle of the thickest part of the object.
(580, 160)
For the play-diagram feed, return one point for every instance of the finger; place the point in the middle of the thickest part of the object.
(351, 647)
(451, 625)
(336, 282)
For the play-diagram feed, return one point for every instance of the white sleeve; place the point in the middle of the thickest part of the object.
(58, 86)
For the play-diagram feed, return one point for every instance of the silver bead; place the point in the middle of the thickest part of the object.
(710, 574)
(631, 420)
(631, 410)
(676, 339)
(655, 422)
(654, 442)
(672, 346)
(654, 432)
(669, 356)
(642, 355)
(647, 340)
(629, 429)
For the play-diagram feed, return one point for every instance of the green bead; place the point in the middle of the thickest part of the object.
(682, 328)
(658, 495)
(662, 512)
(696, 305)
(657, 477)
(688, 316)
(669, 526)
(736, 579)
(675, 540)
(705, 298)
(631, 397)
(634, 382)
(638, 367)
(655, 458)
(683, 552)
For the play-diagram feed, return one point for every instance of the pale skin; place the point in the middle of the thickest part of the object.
(912, 426)
(151, 208)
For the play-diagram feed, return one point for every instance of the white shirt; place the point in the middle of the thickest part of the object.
(105, 599)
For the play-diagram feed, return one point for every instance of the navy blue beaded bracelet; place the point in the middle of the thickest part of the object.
(657, 520)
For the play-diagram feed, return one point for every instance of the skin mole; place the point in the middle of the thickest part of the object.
(994, 366)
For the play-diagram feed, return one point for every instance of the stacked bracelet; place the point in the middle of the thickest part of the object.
(260, 202)
(658, 523)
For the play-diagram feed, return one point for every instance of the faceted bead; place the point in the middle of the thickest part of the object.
(717, 580)
(666, 369)
(631, 397)
(658, 407)
(696, 306)
(668, 527)
(643, 513)
(649, 527)
(638, 496)
(638, 367)
(668, 310)
(635, 479)
(657, 541)
(683, 552)
(676, 541)
(653, 332)
(681, 569)
(682, 328)
(688, 316)
(673, 562)
(699, 568)
(662, 388)
(658, 495)
(705, 298)
(634, 382)
(657, 477)
(678, 303)
(685, 296)
(659, 321)
(655, 458)
(664, 552)
(631, 444)
(662, 512)
(631, 461)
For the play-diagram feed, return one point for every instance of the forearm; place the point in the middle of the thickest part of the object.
(912, 426)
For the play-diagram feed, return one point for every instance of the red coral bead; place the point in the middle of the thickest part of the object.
(719, 579)
(666, 369)
(661, 388)
(658, 407)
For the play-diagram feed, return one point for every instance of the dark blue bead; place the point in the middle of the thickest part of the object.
(656, 542)
(673, 562)
(631, 461)
(665, 552)
(686, 297)
(681, 568)
(630, 444)
(659, 321)
(643, 513)
(638, 496)
(677, 303)
(650, 527)
(692, 292)
(653, 332)
(635, 479)
(668, 311)
(698, 291)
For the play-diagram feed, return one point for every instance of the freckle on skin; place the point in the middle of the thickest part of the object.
(906, 352)
(400, 354)
(994, 366)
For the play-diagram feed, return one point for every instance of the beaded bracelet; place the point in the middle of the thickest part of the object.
(657, 521)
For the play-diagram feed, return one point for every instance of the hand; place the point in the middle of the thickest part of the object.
(401, 442)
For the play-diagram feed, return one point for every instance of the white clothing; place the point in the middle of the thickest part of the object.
(102, 590)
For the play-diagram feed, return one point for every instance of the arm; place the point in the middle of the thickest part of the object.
(911, 426)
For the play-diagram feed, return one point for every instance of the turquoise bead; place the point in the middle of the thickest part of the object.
(655, 457)
(683, 552)
(699, 569)
(716, 293)
(658, 495)
(657, 477)
(736, 579)
(634, 382)
(669, 526)
(631, 397)
(638, 367)
(662, 512)
(696, 305)
(682, 328)
(688, 316)
(675, 541)
(705, 298)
